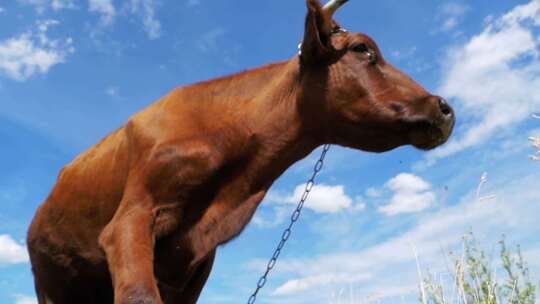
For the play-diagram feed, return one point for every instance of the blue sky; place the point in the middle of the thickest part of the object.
(72, 71)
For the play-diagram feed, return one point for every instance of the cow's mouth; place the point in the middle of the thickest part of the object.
(427, 135)
(432, 129)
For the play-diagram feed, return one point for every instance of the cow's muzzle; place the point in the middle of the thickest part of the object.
(430, 132)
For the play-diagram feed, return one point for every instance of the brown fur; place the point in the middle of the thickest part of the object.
(138, 217)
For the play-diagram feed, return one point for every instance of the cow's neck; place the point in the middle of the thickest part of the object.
(282, 136)
(266, 104)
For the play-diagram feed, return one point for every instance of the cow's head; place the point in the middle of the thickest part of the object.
(357, 98)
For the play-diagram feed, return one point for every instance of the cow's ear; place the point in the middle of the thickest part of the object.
(317, 47)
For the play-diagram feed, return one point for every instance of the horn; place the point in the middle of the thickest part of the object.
(331, 7)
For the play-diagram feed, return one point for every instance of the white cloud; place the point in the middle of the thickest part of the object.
(33, 52)
(147, 8)
(209, 40)
(449, 24)
(494, 78)
(39, 5)
(534, 139)
(535, 142)
(299, 285)
(11, 252)
(62, 4)
(322, 199)
(360, 205)
(410, 195)
(524, 12)
(280, 214)
(406, 182)
(22, 299)
(105, 8)
(452, 14)
(403, 54)
(42, 5)
(391, 264)
(112, 91)
(374, 192)
(2, 10)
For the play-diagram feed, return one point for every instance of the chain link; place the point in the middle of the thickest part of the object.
(287, 232)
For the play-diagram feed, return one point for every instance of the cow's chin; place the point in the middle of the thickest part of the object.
(429, 138)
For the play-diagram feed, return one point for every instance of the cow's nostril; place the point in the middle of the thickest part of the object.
(445, 108)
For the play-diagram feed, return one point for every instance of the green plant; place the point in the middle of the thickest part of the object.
(518, 287)
(475, 279)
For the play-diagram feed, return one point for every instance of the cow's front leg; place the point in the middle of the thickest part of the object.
(128, 241)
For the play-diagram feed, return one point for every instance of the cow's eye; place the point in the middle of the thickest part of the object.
(372, 57)
(364, 49)
(360, 48)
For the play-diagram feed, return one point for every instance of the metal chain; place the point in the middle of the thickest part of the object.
(287, 232)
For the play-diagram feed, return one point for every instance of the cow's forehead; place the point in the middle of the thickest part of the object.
(344, 39)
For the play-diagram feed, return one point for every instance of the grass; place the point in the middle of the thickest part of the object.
(475, 275)
(480, 279)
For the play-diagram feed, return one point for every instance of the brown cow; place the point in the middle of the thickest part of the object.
(138, 217)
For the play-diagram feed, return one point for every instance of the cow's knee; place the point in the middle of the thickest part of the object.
(139, 294)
